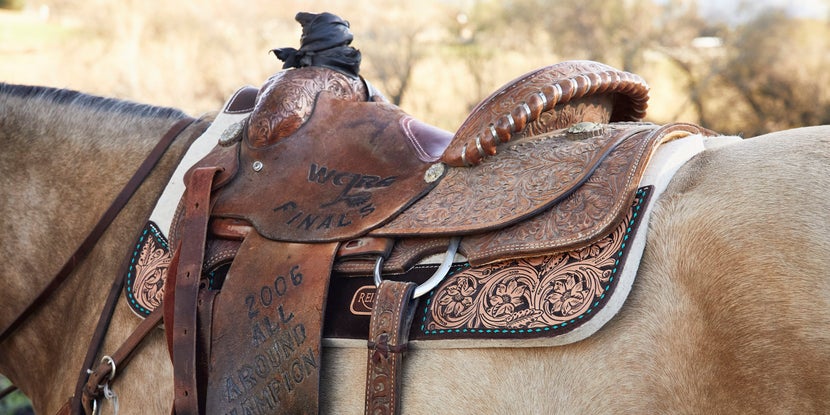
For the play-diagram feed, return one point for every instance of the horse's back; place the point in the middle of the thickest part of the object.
(742, 235)
(728, 314)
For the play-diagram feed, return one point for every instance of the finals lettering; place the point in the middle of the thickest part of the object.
(354, 196)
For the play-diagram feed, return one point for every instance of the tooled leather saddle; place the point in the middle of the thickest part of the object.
(325, 181)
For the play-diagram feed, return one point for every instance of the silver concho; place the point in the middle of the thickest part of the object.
(434, 172)
(232, 134)
(583, 130)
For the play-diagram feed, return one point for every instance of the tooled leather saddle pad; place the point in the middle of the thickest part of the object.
(298, 185)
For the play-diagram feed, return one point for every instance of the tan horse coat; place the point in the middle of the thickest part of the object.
(61, 167)
(729, 312)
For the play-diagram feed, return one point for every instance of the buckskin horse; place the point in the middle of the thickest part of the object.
(728, 312)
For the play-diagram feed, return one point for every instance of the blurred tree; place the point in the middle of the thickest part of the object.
(437, 58)
(777, 67)
(12, 4)
(391, 52)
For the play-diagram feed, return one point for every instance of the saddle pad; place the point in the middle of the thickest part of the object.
(544, 300)
(150, 256)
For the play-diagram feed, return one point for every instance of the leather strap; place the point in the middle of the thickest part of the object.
(191, 256)
(66, 408)
(7, 391)
(106, 219)
(206, 300)
(103, 373)
(388, 335)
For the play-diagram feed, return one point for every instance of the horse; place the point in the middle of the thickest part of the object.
(728, 313)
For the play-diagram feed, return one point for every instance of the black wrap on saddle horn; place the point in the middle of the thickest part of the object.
(325, 42)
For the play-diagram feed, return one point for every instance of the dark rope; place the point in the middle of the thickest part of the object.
(325, 42)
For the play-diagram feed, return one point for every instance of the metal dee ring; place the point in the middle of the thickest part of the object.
(107, 359)
(436, 277)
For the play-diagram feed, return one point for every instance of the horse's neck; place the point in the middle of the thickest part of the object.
(61, 175)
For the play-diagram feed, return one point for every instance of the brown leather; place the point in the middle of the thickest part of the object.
(66, 408)
(318, 173)
(524, 298)
(590, 212)
(169, 299)
(189, 273)
(348, 169)
(120, 358)
(388, 332)
(268, 317)
(532, 296)
(366, 248)
(287, 100)
(521, 103)
(206, 301)
(580, 215)
(428, 141)
(242, 100)
(405, 253)
(524, 180)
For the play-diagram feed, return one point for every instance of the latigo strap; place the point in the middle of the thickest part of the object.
(388, 334)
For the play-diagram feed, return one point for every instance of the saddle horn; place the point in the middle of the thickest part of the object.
(324, 62)
(286, 100)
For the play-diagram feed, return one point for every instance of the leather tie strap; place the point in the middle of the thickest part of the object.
(388, 335)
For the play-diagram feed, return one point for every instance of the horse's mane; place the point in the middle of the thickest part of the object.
(83, 100)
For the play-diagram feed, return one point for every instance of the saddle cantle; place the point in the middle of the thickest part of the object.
(575, 91)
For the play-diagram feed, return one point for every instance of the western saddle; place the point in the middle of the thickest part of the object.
(325, 176)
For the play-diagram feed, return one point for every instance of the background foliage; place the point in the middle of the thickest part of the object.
(749, 71)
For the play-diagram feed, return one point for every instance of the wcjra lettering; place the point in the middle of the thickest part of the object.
(351, 184)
